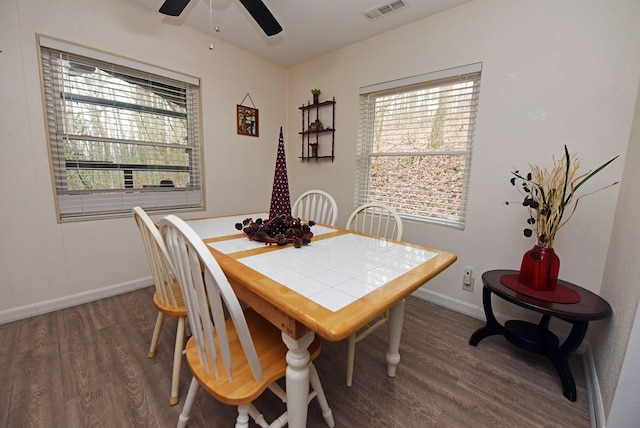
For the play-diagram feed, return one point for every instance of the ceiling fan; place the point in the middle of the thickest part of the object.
(256, 8)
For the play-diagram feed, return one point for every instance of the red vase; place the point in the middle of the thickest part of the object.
(539, 268)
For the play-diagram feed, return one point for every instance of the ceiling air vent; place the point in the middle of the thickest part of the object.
(385, 9)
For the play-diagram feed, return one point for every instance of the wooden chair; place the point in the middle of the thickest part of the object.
(316, 205)
(374, 219)
(235, 358)
(167, 297)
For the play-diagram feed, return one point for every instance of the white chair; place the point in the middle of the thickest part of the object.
(374, 219)
(167, 297)
(316, 205)
(234, 358)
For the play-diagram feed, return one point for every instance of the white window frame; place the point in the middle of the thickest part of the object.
(410, 204)
(84, 204)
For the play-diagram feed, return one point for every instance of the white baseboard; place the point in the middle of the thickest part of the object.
(596, 408)
(447, 302)
(45, 306)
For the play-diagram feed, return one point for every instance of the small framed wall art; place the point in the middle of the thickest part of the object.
(247, 120)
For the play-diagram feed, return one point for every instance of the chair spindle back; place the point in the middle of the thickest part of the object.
(377, 219)
(207, 293)
(316, 205)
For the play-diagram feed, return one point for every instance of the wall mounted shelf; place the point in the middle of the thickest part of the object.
(315, 136)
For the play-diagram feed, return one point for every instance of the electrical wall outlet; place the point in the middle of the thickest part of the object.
(468, 279)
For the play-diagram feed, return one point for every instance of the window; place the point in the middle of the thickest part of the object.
(414, 144)
(121, 133)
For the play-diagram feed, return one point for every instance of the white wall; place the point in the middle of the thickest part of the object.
(616, 362)
(624, 412)
(41, 260)
(554, 73)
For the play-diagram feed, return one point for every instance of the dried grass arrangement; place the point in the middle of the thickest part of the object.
(549, 195)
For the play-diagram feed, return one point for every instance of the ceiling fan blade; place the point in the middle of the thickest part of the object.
(262, 15)
(173, 7)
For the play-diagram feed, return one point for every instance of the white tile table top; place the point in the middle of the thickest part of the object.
(337, 271)
(219, 226)
(241, 244)
(332, 272)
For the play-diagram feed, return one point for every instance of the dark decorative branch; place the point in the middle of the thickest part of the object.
(547, 194)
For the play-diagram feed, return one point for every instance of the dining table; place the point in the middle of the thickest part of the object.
(333, 287)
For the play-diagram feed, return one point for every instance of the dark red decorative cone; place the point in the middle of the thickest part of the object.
(280, 198)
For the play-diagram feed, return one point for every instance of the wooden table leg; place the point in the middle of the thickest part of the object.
(560, 358)
(492, 326)
(396, 317)
(297, 378)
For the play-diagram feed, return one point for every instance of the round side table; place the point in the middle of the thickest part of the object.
(537, 338)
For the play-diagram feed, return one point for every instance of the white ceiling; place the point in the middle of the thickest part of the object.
(310, 28)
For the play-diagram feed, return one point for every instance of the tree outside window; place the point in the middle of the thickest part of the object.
(415, 141)
(119, 136)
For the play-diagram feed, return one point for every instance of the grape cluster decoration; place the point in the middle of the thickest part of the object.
(281, 230)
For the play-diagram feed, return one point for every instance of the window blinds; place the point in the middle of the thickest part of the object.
(414, 144)
(119, 136)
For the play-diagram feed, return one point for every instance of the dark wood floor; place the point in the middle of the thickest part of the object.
(87, 366)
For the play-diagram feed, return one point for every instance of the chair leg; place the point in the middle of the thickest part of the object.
(351, 355)
(177, 362)
(357, 337)
(188, 403)
(156, 335)
(257, 416)
(242, 420)
(314, 380)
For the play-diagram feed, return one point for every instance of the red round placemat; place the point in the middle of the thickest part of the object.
(561, 294)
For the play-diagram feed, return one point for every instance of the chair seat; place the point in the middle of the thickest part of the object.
(244, 388)
(178, 311)
(234, 354)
